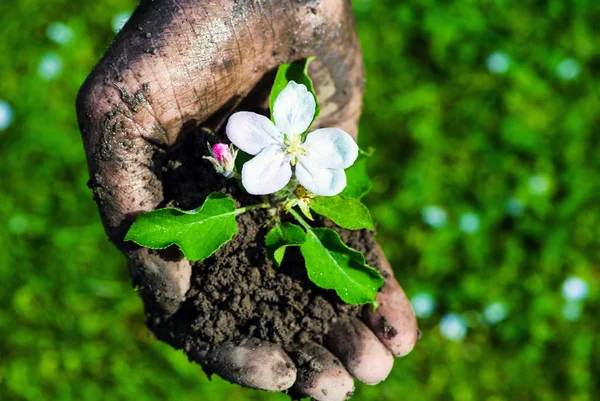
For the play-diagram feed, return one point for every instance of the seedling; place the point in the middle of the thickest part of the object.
(295, 172)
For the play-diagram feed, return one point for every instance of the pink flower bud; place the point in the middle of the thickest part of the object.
(223, 159)
(222, 153)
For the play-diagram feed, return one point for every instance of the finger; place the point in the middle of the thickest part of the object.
(161, 279)
(365, 357)
(394, 321)
(252, 363)
(321, 375)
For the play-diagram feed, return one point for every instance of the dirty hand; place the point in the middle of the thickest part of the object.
(179, 63)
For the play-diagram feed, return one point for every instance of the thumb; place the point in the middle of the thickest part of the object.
(178, 63)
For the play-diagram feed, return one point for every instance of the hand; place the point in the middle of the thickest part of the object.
(179, 63)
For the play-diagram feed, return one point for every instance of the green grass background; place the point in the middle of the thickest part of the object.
(517, 149)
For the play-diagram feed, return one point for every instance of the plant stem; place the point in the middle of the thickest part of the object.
(245, 209)
(302, 222)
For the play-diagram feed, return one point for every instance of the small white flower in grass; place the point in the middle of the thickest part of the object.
(6, 115)
(453, 327)
(538, 185)
(59, 33)
(495, 312)
(423, 304)
(498, 62)
(223, 159)
(568, 69)
(575, 289)
(50, 66)
(469, 223)
(319, 161)
(434, 216)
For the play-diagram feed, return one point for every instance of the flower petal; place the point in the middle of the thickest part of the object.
(321, 181)
(252, 132)
(268, 172)
(330, 148)
(294, 109)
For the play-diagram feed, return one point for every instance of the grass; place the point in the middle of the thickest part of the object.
(485, 116)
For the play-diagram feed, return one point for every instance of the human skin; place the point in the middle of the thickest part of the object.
(181, 63)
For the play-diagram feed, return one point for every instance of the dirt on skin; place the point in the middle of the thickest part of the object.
(239, 291)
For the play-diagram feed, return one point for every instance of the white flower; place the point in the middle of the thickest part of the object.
(319, 161)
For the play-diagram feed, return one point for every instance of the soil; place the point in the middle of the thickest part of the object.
(239, 291)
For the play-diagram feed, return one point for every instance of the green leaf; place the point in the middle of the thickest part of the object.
(297, 72)
(357, 178)
(344, 211)
(280, 237)
(334, 266)
(241, 159)
(199, 232)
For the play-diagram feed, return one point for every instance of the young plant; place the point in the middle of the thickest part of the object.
(296, 172)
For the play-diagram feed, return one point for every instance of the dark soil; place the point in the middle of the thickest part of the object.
(239, 292)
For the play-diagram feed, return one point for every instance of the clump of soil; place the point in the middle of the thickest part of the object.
(239, 291)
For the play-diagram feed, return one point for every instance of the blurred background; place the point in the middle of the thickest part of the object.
(486, 118)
